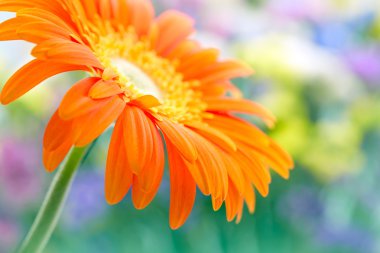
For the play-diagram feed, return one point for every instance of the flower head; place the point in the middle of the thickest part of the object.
(159, 85)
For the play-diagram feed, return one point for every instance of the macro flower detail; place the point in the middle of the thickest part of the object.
(159, 86)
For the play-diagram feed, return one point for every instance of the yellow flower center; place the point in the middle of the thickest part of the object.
(142, 72)
(135, 78)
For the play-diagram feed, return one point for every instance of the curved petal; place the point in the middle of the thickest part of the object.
(182, 188)
(174, 27)
(58, 131)
(89, 127)
(240, 105)
(138, 138)
(76, 102)
(118, 177)
(31, 75)
(53, 158)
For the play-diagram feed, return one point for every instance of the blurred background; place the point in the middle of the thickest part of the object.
(317, 66)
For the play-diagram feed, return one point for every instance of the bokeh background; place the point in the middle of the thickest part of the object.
(317, 68)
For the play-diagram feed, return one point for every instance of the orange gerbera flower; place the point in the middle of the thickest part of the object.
(150, 77)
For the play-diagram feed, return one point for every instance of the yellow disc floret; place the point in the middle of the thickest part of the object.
(142, 72)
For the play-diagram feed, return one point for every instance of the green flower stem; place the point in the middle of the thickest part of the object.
(51, 209)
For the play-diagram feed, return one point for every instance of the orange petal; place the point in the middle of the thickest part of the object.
(147, 183)
(247, 133)
(123, 13)
(182, 188)
(250, 198)
(147, 101)
(31, 75)
(184, 50)
(8, 28)
(76, 101)
(214, 135)
(90, 8)
(137, 138)
(180, 137)
(57, 132)
(118, 176)
(53, 158)
(105, 9)
(104, 89)
(16, 5)
(174, 27)
(233, 202)
(222, 71)
(88, 128)
(65, 51)
(142, 15)
(36, 32)
(254, 171)
(217, 203)
(235, 172)
(209, 171)
(150, 177)
(241, 106)
(38, 14)
(197, 61)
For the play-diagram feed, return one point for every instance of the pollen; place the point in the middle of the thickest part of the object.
(140, 72)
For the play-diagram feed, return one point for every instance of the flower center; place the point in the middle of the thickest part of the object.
(136, 78)
(142, 71)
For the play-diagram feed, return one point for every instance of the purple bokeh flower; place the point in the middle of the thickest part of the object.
(346, 238)
(298, 9)
(9, 235)
(365, 63)
(86, 200)
(301, 205)
(19, 177)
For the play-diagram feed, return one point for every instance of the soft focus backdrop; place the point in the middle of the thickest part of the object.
(317, 66)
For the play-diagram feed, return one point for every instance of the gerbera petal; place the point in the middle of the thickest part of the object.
(209, 171)
(150, 177)
(184, 50)
(104, 89)
(197, 61)
(143, 14)
(16, 5)
(182, 188)
(89, 127)
(137, 138)
(222, 71)
(234, 171)
(147, 183)
(48, 16)
(253, 170)
(180, 137)
(174, 27)
(105, 8)
(118, 177)
(240, 105)
(31, 75)
(8, 28)
(123, 13)
(214, 135)
(233, 202)
(250, 198)
(76, 102)
(65, 51)
(37, 32)
(52, 158)
(248, 132)
(57, 132)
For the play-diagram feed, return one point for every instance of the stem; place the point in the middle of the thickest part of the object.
(51, 209)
